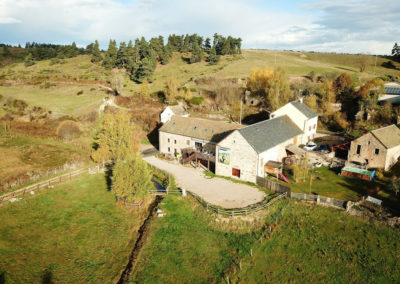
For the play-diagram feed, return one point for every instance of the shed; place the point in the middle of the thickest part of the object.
(358, 173)
(273, 167)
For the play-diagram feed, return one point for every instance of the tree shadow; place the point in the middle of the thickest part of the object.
(257, 117)
(47, 276)
(2, 277)
(108, 172)
(153, 136)
(185, 59)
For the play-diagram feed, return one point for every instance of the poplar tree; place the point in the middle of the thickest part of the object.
(131, 179)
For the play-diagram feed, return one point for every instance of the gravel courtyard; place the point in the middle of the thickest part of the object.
(216, 191)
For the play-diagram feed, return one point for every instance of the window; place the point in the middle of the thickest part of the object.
(369, 142)
(169, 149)
(175, 141)
(376, 151)
(358, 149)
(188, 142)
(168, 140)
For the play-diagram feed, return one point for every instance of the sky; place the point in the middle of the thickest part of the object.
(345, 26)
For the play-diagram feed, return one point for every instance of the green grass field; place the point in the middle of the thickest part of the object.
(319, 245)
(74, 233)
(297, 243)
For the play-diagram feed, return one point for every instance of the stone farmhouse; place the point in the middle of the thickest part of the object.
(169, 111)
(235, 150)
(379, 148)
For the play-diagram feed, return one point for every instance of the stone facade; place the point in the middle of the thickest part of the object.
(368, 151)
(173, 143)
(242, 157)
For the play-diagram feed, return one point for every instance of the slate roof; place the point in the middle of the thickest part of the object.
(209, 130)
(389, 136)
(269, 133)
(309, 113)
(178, 110)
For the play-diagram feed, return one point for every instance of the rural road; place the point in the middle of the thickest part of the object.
(216, 191)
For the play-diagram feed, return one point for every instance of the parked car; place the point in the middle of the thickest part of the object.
(311, 146)
(324, 148)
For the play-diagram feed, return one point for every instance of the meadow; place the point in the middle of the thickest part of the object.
(74, 233)
(292, 243)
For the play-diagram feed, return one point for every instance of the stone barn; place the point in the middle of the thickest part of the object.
(379, 148)
(246, 151)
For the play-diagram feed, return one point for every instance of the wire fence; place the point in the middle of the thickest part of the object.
(320, 199)
(47, 183)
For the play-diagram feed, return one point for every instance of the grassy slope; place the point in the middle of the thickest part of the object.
(63, 97)
(182, 248)
(306, 245)
(302, 63)
(21, 154)
(76, 232)
(326, 246)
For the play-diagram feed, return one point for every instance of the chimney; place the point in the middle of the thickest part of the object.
(301, 100)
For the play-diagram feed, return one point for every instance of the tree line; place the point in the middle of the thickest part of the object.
(140, 57)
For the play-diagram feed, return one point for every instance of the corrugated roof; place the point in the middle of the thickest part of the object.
(309, 113)
(392, 90)
(204, 129)
(269, 133)
(389, 136)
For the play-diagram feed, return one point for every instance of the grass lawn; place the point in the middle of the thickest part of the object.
(320, 245)
(74, 233)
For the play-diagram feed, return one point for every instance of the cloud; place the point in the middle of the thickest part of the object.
(344, 26)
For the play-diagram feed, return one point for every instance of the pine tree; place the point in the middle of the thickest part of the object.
(6, 51)
(122, 60)
(29, 60)
(96, 55)
(207, 45)
(213, 58)
(396, 51)
(110, 57)
(166, 55)
(197, 53)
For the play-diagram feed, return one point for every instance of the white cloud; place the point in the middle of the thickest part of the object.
(345, 26)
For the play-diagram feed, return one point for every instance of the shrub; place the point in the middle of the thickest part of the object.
(79, 93)
(68, 129)
(193, 90)
(196, 100)
(54, 61)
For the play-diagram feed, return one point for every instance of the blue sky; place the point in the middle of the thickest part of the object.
(354, 26)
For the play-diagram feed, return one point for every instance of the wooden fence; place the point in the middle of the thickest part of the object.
(240, 211)
(46, 183)
(274, 186)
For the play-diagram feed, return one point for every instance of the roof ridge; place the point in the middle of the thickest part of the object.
(384, 127)
(263, 121)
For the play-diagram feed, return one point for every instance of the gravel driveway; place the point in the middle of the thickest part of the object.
(216, 191)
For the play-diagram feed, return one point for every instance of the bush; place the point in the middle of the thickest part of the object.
(196, 100)
(54, 61)
(68, 129)
(79, 93)
(193, 90)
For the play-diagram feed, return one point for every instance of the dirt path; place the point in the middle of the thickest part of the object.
(216, 191)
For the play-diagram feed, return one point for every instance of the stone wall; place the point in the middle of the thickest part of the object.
(242, 157)
(368, 145)
(168, 142)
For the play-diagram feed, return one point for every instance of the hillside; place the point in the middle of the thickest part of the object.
(65, 79)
